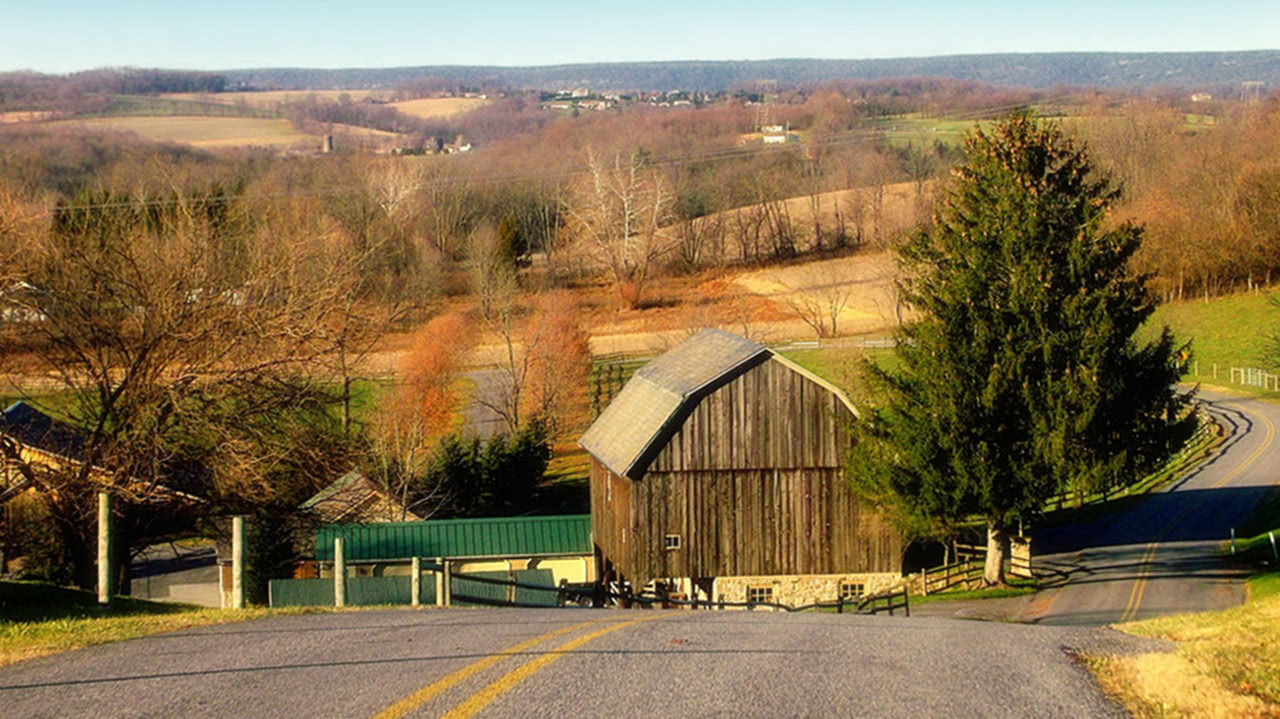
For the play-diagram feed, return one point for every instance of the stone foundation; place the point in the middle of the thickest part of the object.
(798, 590)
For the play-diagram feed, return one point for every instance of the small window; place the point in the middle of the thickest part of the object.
(671, 541)
(760, 594)
(852, 591)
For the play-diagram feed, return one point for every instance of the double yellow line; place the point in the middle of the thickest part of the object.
(1144, 570)
(485, 696)
(1140, 584)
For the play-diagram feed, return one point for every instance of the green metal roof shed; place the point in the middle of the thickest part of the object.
(470, 538)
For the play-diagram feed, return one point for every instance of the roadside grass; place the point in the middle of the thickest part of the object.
(38, 619)
(1017, 588)
(1226, 663)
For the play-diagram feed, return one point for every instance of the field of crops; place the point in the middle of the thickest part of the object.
(439, 106)
(201, 131)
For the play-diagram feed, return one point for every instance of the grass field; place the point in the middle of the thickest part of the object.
(429, 107)
(270, 99)
(204, 132)
(1225, 332)
(38, 619)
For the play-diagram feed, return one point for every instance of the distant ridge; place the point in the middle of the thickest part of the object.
(1034, 70)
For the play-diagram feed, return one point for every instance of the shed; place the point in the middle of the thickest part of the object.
(561, 543)
(354, 497)
(719, 467)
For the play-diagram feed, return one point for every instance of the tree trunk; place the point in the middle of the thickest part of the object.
(997, 546)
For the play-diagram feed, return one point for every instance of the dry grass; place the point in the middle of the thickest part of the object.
(1226, 664)
(864, 280)
(269, 99)
(24, 116)
(205, 132)
(429, 107)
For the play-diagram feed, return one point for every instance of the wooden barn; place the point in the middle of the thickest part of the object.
(718, 470)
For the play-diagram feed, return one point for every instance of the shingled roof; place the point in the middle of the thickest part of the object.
(38, 430)
(660, 394)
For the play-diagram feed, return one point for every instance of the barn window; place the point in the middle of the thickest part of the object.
(850, 591)
(760, 594)
(671, 541)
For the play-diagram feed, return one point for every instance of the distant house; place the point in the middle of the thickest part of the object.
(776, 134)
(19, 303)
(39, 441)
(354, 497)
(718, 470)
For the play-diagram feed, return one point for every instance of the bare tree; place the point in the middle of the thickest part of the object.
(819, 306)
(621, 215)
(166, 359)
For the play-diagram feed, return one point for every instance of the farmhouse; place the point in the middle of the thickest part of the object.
(718, 470)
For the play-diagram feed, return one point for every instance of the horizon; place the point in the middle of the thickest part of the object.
(74, 36)
(692, 61)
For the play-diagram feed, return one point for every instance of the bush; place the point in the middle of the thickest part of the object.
(497, 476)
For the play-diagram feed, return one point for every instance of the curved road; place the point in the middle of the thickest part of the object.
(1161, 555)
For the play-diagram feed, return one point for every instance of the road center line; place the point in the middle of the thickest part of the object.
(485, 696)
(1144, 571)
(425, 694)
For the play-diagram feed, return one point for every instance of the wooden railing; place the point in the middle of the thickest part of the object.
(1206, 435)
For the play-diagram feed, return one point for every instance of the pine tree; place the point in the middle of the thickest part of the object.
(1022, 375)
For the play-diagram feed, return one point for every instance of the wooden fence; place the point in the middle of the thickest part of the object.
(1206, 435)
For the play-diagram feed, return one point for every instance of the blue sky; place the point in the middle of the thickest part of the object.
(69, 35)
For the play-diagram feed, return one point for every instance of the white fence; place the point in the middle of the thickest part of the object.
(1254, 377)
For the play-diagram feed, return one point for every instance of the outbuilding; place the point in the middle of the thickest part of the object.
(718, 470)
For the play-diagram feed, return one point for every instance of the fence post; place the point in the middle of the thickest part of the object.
(439, 574)
(906, 602)
(1233, 540)
(561, 592)
(415, 584)
(237, 562)
(446, 573)
(105, 574)
(924, 581)
(339, 574)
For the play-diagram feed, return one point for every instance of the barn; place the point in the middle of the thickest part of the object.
(717, 470)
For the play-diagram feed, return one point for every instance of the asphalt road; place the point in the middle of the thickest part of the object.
(1162, 554)
(587, 663)
(479, 417)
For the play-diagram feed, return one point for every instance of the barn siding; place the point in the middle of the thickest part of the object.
(769, 416)
(753, 483)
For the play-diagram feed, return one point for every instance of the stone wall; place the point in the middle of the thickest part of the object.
(797, 590)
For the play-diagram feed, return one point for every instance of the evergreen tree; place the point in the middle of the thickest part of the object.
(1021, 376)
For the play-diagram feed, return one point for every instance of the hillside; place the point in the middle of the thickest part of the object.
(1042, 70)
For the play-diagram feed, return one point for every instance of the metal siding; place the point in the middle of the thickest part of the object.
(562, 534)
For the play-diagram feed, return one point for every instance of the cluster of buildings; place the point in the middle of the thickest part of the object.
(716, 475)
